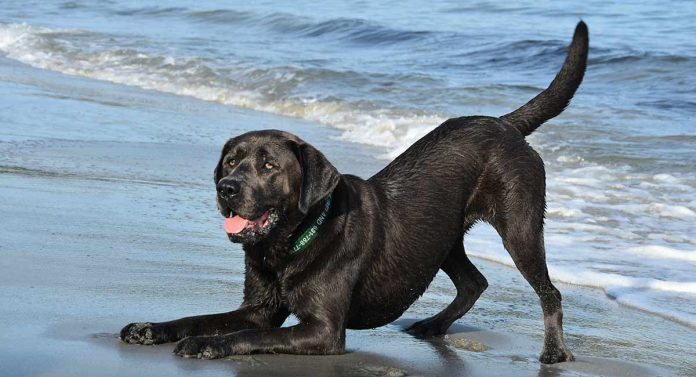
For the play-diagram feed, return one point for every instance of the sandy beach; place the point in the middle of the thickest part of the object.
(109, 218)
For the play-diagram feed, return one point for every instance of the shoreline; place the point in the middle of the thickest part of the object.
(600, 290)
(119, 225)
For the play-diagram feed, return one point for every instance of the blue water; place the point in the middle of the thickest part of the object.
(620, 160)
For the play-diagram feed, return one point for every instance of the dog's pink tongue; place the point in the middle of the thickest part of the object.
(234, 225)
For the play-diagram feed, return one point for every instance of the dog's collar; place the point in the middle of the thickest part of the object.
(311, 233)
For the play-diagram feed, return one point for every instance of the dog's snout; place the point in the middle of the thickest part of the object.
(228, 188)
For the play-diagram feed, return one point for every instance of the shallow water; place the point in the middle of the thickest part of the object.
(621, 198)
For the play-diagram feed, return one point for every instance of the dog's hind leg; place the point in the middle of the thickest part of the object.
(470, 283)
(524, 240)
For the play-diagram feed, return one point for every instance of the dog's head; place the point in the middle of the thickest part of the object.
(264, 178)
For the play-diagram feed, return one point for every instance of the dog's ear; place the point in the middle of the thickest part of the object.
(217, 173)
(319, 176)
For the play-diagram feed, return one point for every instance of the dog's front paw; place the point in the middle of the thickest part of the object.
(144, 333)
(202, 347)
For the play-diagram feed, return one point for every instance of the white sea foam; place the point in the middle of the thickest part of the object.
(666, 178)
(554, 210)
(661, 252)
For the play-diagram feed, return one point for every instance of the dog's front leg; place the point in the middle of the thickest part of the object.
(320, 302)
(307, 339)
(222, 323)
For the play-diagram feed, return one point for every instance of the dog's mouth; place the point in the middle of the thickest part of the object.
(250, 230)
(236, 223)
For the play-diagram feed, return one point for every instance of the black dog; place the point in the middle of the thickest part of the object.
(341, 252)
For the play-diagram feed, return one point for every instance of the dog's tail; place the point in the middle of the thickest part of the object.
(556, 97)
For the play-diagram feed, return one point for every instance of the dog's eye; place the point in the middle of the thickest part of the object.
(232, 162)
(268, 165)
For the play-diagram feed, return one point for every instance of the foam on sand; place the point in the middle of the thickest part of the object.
(666, 298)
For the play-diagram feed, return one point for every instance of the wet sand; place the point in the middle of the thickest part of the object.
(108, 218)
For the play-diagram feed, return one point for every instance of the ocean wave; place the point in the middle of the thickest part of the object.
(621, 57)
(149, 11)
(244, 86)
(661, 81)
(221, 16)
(519, 52)
(671, 104)
(353, 30)
(546, 53)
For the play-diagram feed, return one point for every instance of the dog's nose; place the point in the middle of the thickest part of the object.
(228, 189)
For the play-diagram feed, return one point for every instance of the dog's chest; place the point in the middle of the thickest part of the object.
(283, 280)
